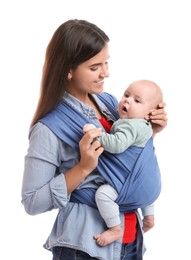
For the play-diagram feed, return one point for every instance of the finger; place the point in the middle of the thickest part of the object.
(88, 127)
(160, 111)
(162, 117)
(99, 151)
(162, 105)
(90, 136)
(159, 122)
(93, 133)
(96, 145)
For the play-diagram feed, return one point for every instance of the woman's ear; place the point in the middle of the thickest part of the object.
(69, 75)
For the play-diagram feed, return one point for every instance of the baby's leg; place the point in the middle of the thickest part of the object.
(109, 210)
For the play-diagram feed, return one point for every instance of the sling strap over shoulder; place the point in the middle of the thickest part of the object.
(134, 173)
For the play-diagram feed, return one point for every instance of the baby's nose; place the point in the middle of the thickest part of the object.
(128, 101)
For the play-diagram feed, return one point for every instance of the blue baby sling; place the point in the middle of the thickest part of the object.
(134, 173)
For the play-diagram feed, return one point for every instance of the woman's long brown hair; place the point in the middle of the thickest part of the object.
(73, 43)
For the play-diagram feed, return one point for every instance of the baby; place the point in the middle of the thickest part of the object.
(132, 129)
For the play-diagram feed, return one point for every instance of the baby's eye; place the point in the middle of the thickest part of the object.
(126, 95)
(137, 101)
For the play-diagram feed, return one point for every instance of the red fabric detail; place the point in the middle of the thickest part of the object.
(106, 124)
(130, 227)
(130, 219)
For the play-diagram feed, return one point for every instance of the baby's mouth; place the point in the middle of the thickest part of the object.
(124, 109)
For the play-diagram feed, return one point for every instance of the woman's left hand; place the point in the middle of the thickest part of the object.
(158, 118)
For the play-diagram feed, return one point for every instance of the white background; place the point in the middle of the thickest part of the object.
(148, 39)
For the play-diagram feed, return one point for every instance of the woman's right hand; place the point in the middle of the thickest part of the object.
(90, 150)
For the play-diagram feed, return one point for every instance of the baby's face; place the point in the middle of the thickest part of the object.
(137, 102)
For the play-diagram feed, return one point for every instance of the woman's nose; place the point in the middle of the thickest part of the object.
(104, 73)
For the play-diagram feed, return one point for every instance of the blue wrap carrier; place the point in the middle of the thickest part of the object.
(135, 173)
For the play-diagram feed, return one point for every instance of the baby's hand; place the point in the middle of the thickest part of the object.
(88, 127)
(148, 223)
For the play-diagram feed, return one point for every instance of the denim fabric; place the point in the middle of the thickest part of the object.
(128, 252)
(65, 253)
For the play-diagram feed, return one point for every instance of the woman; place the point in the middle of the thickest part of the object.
(75, 67)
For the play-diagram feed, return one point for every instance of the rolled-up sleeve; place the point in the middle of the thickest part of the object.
(149, 210)
(43, 187)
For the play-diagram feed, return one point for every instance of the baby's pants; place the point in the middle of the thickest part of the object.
(109, 210)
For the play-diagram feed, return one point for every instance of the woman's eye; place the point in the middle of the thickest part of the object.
(94, 68)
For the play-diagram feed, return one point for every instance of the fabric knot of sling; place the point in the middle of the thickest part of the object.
(134, 174)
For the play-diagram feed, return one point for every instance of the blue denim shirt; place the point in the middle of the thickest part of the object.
(44, 189)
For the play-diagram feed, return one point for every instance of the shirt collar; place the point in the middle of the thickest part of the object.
(84, 108)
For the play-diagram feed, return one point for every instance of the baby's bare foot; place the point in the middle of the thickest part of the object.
(108, 236)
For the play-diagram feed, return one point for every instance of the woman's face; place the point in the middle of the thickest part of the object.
(89, 76)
